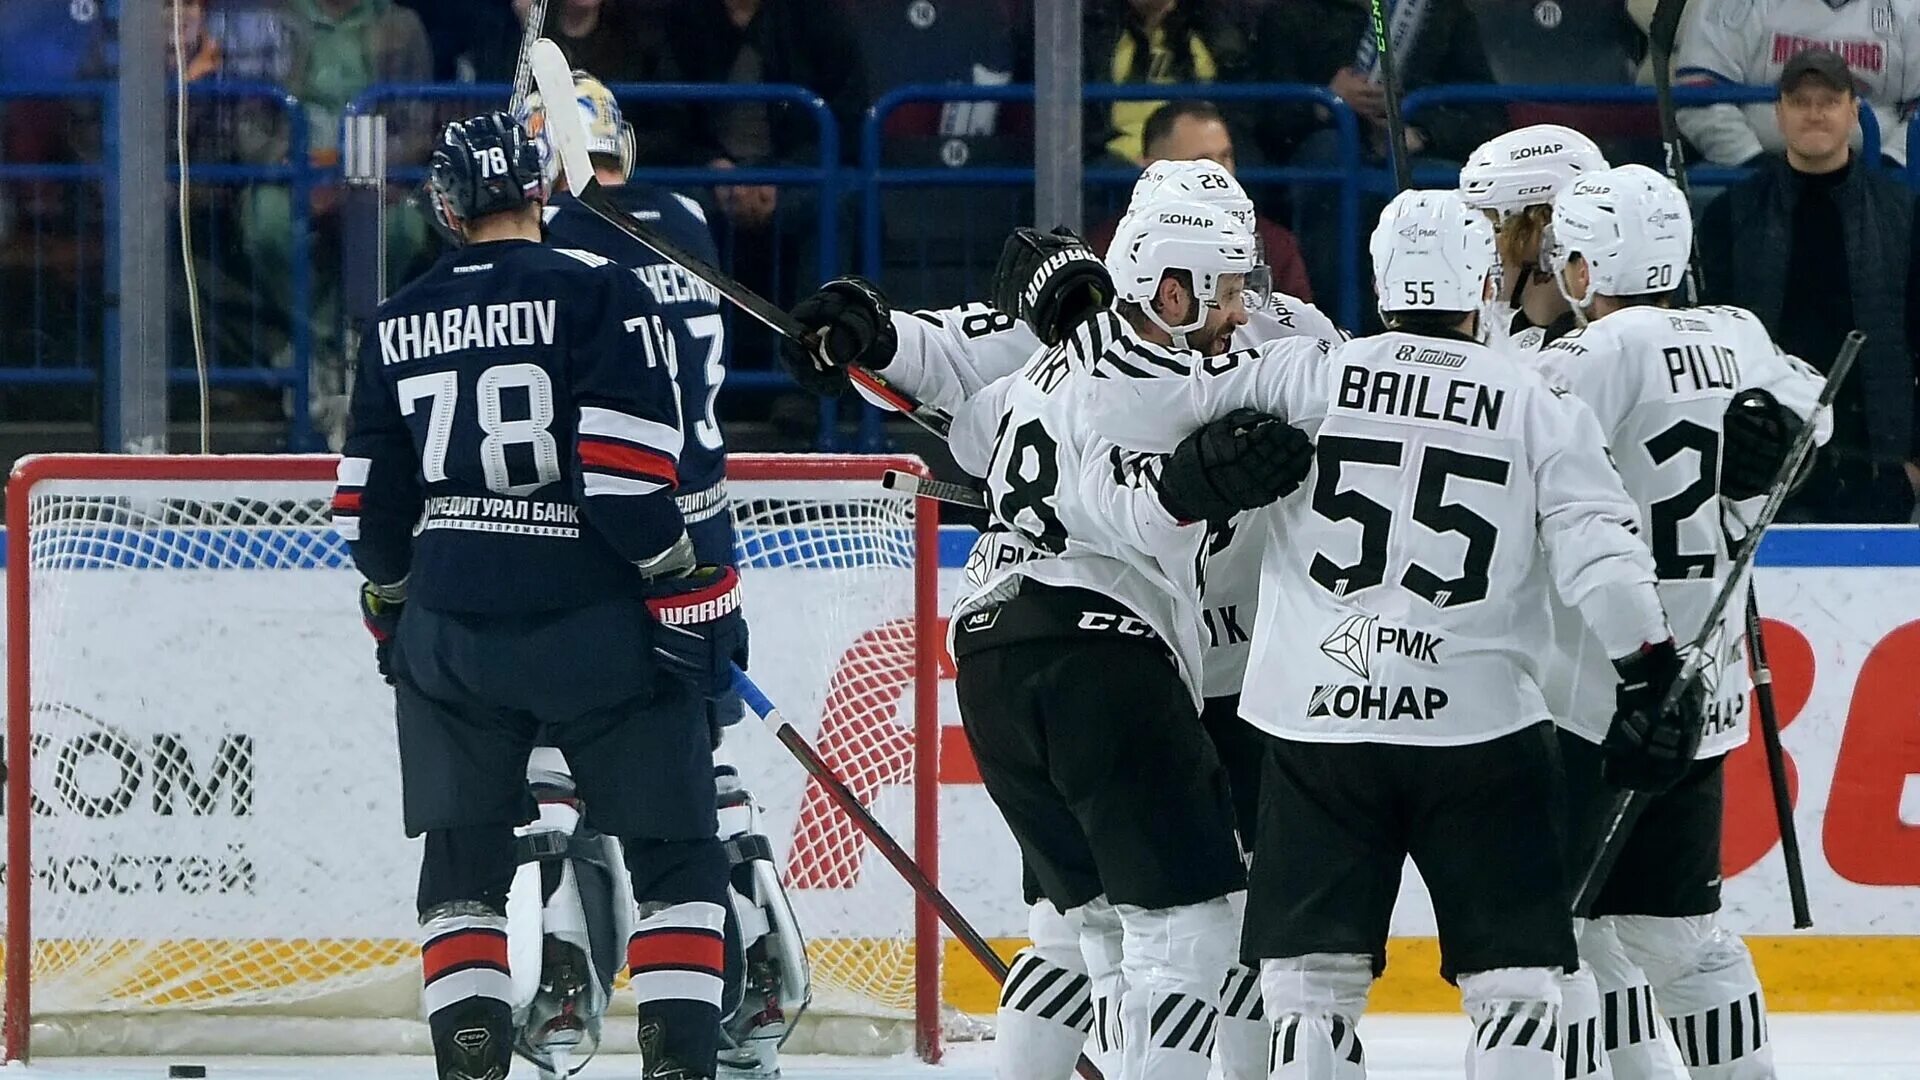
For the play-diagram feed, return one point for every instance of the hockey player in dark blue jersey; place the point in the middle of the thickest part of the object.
(767, 981)
(507, 491)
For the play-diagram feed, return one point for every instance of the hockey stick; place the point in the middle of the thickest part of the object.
(1629, 805)
(535, 29)
(1661, 33)
(896, 855)
(555, 81)
(938, 490)
(1390, 86)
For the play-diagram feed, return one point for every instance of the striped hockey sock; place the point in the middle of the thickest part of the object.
(463, 958)
(675, 958)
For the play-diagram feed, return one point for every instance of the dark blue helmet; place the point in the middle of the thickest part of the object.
(484, 165)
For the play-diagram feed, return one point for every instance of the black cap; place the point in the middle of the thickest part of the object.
(1816, 62)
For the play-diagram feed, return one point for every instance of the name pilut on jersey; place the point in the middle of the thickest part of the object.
(1419, 396)
(475, 326)
(1350, 701)
(672, 284)
(1704, 367)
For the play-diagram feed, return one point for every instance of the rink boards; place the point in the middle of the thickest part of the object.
(232, 777)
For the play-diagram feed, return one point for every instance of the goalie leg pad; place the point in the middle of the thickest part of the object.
(1704, 980)
(1316, 1001)
(1046, 1004)
(1516, 1023)
(1174, 960)
(768, 983)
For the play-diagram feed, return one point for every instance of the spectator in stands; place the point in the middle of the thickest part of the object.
(1748, 43)
(1816, 244)
(1195, 131)
(1330, 43)
(620, 41)
(1146, 41)
(465, 33)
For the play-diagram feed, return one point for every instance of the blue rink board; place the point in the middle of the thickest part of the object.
(1784, 546)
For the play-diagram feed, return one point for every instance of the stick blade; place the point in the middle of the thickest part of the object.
(564, 130)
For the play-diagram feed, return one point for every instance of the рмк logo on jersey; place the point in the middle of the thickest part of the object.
(1347, 645)
(1358, 638)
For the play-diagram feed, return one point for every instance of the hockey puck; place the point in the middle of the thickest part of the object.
(186, 1070)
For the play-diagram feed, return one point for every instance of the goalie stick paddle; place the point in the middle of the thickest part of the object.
(938, 490)
(1629, 805)
(844, 798)
(569, 137)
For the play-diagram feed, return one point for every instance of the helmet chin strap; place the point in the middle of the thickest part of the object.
(1178, 333)
(1580, 317)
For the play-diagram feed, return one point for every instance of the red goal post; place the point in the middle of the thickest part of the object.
(156, 605)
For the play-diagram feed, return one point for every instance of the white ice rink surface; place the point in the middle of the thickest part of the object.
(1878, 1046)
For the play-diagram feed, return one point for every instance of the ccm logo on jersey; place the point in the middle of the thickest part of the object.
(1351, 702)
(1109, 622)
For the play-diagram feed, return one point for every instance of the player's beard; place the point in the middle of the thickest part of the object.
(1212, 340)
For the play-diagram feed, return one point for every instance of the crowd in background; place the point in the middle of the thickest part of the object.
(1810, 212)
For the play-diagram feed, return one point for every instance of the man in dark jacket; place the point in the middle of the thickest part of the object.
(1816, 244)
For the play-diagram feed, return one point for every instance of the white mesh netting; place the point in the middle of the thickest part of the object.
(216, 805)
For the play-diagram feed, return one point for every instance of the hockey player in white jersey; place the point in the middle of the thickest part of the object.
(948, 356)
(1699, 407)
(1396, 647)
(1748, 43)
(1512, 178)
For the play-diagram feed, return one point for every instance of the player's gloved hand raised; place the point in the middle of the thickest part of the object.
(699, 631)
(1757, 433)
(1053, 280)
(380, 607)
(1242, 461)
(1647, 749)
(848, 322)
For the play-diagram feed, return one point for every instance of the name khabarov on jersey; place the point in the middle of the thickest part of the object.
(1396, 393)
(475, 326)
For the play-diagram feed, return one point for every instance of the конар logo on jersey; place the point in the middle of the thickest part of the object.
(1353, 644)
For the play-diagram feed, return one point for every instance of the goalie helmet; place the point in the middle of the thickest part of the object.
(1206, 241)
(1631, 225)
(608, 133)
(1431, 252)
(1526, 167)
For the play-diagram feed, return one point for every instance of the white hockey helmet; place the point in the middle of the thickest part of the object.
(1631, 225)
(1431, 252)
(1209, 183)
(608, 132)
(1204, 240)
(1526, 167)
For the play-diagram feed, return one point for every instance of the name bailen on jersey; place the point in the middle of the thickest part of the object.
(475, 326)
(1394, 393)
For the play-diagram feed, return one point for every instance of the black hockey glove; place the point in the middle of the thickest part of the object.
(848, 322)
(1646, 749)
(1053, 280)
(1242, 461)
(380, 608)
(1758, 431)
(699, 631)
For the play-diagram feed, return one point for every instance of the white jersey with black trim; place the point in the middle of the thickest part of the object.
(945, 357)
(1748, 43)
(1070, 509)
(1659, 381)
(1404, 590)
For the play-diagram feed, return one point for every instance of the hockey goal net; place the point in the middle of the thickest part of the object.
(203, 780)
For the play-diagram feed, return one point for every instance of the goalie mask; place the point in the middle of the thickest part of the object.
(1212, 246)
(608, 133)
(1631, 225)
(1431, 252)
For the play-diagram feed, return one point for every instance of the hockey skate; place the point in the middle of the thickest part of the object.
(467, 1051)
(656, 1066)
(561, 1027)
